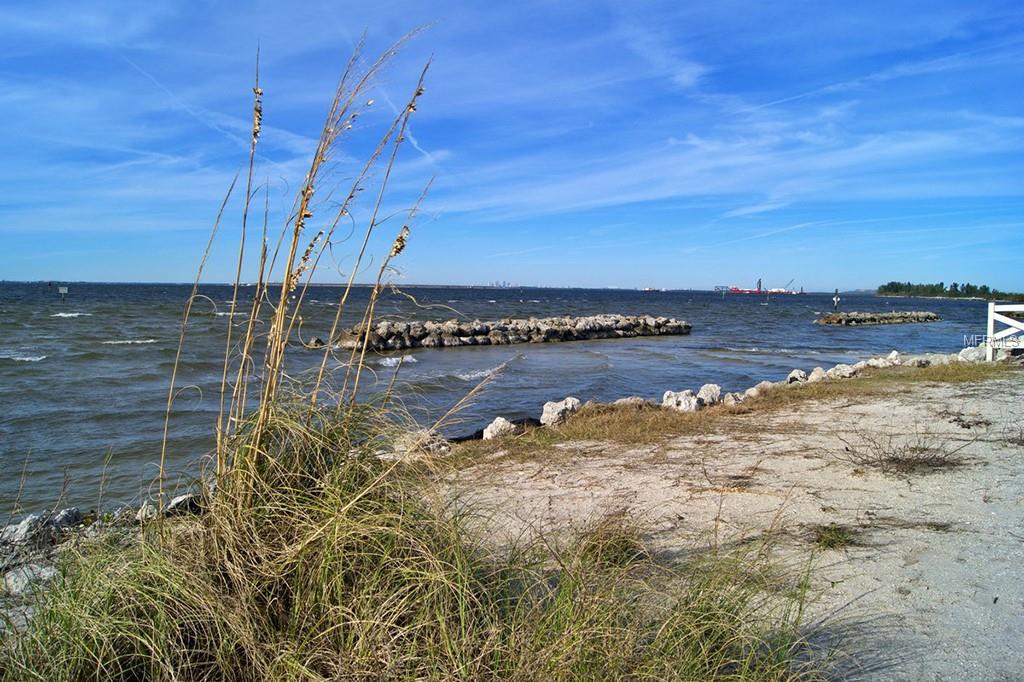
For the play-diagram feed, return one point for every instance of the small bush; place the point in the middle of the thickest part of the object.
(896, 454)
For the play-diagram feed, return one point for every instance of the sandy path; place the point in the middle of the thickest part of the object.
(935, 588)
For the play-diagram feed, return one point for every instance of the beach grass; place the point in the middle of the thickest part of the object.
(321, 554)
(325, 563)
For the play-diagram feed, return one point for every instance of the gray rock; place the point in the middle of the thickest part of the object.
(66, 518)
(558, 412)
(797, 376)
(20, 581)
(682, 401)
(877, 363)
(710, 394)
(498, 428)
(30, 529)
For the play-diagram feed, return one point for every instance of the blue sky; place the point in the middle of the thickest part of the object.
(667, 144)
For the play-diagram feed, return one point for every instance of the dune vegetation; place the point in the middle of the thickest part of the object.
(321, 554)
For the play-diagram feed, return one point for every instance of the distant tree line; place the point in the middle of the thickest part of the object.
(954, 290)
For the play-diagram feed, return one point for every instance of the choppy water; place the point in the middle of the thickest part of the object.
(89, 376)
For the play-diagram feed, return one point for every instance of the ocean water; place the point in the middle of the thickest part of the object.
(83, 383)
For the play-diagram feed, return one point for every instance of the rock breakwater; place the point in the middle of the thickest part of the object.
(390, 335)
(853, 319)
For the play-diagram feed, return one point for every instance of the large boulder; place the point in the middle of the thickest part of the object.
(893, 357)
(878, 363)
(20, 581)
(797, 376)
(841, 371)
(31, 528)
(710, 394)
(732, 399)
(758, 390)
(417, 443)
(498, 428)
(973, 354)
(557, 412)
(631, 401)
(817, 374)
(681, 401)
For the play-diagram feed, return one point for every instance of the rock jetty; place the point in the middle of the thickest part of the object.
(897, 317)
(390, 335)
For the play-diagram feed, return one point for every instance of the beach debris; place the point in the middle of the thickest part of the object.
(394, 335)
(681, 401)
(732, 399)
(797, 376)
(146, 513)
(498, 428)
(709, 394)
(189, 503)
(558, 412)
(854, 319)
(893, 357)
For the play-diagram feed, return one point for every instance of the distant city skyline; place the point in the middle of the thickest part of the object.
(624, 145)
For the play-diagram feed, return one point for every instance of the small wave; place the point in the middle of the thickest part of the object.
(491, 300)
(127, 342)
(22, 358)
(226, 314)
(534, 300)
(481, 374)
(394, 360)
(70, 314)
(475, 376)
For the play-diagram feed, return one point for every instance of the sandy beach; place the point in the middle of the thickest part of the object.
(927, 585)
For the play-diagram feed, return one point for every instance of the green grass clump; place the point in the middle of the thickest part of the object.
(835, 536)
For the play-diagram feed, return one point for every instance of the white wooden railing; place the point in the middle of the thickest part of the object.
(1012, 326)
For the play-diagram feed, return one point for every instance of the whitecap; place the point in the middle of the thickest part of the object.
(394, 360)
(70, 314)
(7, 355)
(126, 342)
(491, 300)
(226, 314)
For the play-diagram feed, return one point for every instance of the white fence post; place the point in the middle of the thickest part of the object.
(991, 331)
(1013, 326)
